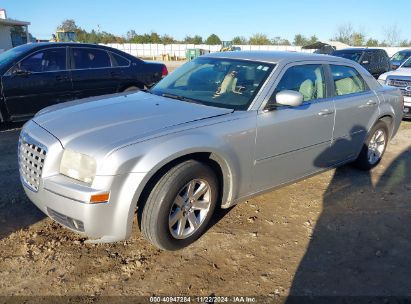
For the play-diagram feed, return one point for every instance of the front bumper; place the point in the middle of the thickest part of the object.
(67, 200)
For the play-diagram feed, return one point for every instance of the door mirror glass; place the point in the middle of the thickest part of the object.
(289, 98)
(21, 72)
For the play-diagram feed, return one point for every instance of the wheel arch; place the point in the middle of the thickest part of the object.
(140, 85)
(389, 121)
(217, 163)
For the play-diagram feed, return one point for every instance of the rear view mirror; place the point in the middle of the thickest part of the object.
(289, 98)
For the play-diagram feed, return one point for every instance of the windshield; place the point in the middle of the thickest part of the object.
(8, 56)
(407, 64)
(217, 82)
(355, 56)
(401, 56)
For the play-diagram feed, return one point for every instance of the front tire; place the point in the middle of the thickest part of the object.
(180, 206)
(374, 147)
(132, 89)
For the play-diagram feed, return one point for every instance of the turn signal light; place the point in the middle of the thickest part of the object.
(100, 198)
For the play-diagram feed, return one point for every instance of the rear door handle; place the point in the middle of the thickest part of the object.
(369, 103)
(61, 78)
(326, 112)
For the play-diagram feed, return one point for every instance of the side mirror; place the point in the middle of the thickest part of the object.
(289, 98)
(21, 72)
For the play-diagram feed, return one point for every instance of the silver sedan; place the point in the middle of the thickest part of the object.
(220, 129)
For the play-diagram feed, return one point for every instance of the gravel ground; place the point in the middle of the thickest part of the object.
(343, 232)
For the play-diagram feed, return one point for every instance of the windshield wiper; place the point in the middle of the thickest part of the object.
(182, 98)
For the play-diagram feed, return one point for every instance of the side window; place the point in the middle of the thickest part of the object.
(347, 80)
(49, 60)
(89, 58)
(307, 79)
(120, 61)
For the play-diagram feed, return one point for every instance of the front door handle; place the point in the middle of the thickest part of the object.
(326, 112)
(369, 103)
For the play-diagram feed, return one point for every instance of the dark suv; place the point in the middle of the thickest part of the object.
(375, 61)
(34, 76)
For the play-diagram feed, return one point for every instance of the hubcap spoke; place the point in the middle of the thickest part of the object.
(177, 215)
(179, 201)
(181, 226)
(193, 220)
(201, 205)
(190, 189)
(200, 191)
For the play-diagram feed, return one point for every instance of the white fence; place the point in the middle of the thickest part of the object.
(179, 50)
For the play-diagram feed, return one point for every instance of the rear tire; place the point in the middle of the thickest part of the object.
(374, 147)
(180, 206)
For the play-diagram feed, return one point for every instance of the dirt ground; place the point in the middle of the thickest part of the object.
(343, 232)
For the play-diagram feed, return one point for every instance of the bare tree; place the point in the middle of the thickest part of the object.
(344, 33)
(392, 35)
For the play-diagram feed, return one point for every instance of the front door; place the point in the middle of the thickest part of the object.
(293, 142)
(38, 81)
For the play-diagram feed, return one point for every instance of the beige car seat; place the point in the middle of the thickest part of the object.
(307, 89)
(346, 86)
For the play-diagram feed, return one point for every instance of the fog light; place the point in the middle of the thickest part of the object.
(100, 198)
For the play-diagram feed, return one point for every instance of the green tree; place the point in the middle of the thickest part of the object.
(357, 39)
(300, 40)
(166, 39)
(239, 40)
(371, 42)
(193, 40)
(313, 39)
(259, 39)
(213, 39)
(68, 25)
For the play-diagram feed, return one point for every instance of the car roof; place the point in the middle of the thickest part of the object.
(275, 56)
(358, 50)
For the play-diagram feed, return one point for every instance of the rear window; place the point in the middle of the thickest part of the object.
(89, 58)
(347, 80)
(355, 56)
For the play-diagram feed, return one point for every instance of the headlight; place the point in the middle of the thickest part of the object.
(78, 166)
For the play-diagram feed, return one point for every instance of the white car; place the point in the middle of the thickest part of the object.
(400, 78)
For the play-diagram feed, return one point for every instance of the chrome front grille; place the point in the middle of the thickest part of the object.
(403, 85)
(31, 156)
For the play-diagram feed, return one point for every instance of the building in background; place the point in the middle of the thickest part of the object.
(12, 32)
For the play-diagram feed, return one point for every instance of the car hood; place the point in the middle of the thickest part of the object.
(109, 123)
(400, 72)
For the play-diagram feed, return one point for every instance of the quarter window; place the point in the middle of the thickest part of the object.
(306, 79)
(89, 58)
(120, 61)
(44, 61)
(347, 80)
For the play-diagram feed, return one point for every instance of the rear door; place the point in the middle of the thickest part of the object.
(356, 109)
(92, 73)
(293, 142)
(39, 80)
